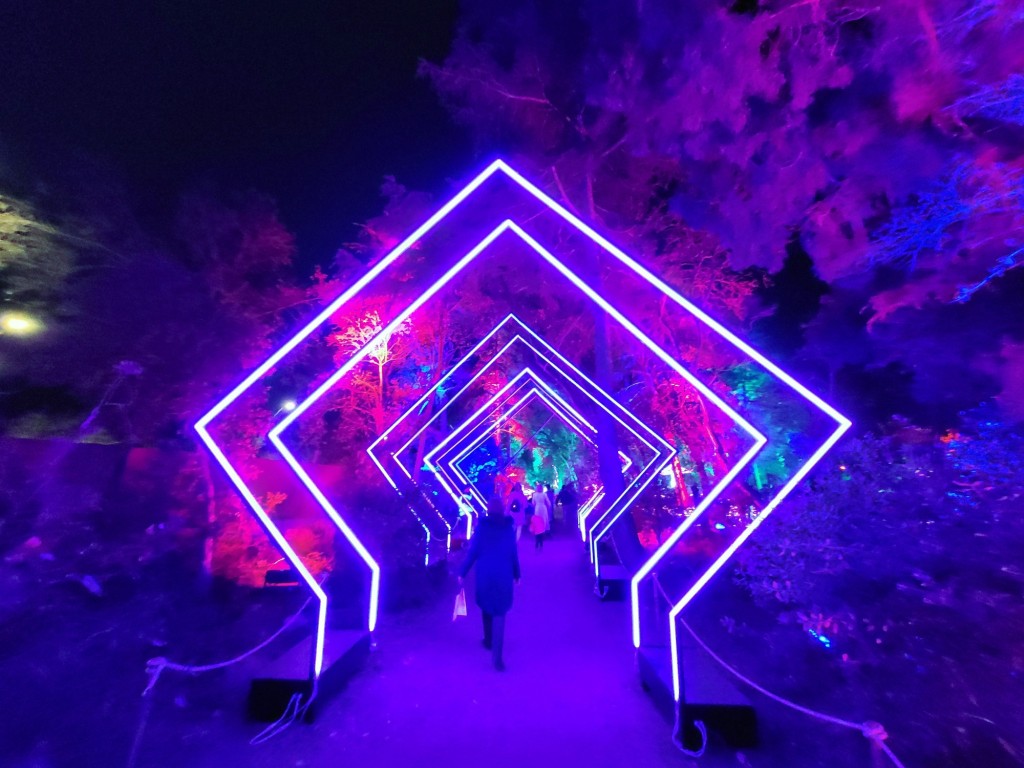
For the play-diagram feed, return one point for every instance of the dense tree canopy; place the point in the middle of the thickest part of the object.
(881, 140)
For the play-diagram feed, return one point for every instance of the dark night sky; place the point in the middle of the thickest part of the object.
(312, 103)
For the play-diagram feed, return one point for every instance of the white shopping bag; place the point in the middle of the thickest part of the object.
(460, 605)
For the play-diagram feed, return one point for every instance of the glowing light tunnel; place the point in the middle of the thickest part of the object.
(450, 470)
(521, 381)
(574, 378)
(577, 425)
(677, 301)
(511, 228)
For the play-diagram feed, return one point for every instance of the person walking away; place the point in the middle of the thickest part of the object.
(494, 552)
(515, 507)
(570, 505)
(540, 524)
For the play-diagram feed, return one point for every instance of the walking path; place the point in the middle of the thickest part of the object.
(570, 694)
(429, 696)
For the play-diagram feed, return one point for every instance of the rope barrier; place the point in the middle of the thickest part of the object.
(155, 667)
(678, 741)
(871, 730)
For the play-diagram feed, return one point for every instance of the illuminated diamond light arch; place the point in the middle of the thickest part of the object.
(578, 381)
(527, 337)
(447, 466)
(677, 302)
(507, 228)
(573, 376)
(511, 229)
(447, 469)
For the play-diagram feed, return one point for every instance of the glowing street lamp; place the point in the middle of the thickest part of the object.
(19, 324)
(288, 406)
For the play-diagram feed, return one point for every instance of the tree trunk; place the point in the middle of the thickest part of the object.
(624, 533)
(625, 536)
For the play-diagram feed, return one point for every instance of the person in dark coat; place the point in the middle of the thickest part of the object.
(570, 505)
(494, 552)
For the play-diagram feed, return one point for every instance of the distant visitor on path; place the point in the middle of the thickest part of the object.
(515, 507)
(494, 552)
(570, 505)
(540, 523)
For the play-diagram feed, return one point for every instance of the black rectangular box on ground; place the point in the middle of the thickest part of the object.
(269, 697)
(612, 583)
(705, 696)
(345, 651)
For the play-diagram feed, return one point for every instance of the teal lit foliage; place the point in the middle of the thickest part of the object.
(688, 467)
(560, 447)
(778, 418)
(483, 462)
(552, 451)
(540, 469)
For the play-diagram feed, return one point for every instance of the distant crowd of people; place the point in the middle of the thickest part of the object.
(494, 552)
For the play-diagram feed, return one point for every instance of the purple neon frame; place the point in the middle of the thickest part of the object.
(506, 226)
(511, 227)
(590, 504)
(483, 429)
(659, 459)
(659, 462)
(596, 396)
(578, 428)
(518, 338)
(497, 166)
(496, 402)
(542, 384)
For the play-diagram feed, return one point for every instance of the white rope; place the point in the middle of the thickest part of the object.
(869, 729)
(155, 666)
(295, 710)
(677, 738)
